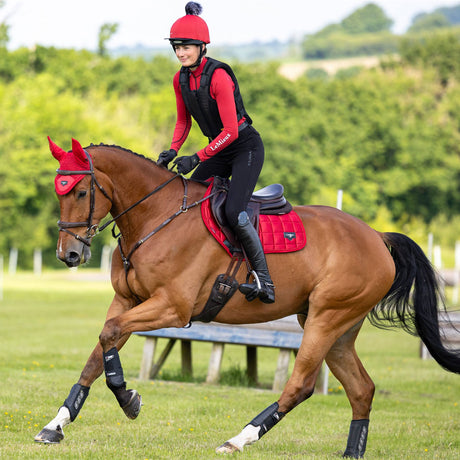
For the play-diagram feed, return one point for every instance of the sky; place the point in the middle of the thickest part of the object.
(76, 23)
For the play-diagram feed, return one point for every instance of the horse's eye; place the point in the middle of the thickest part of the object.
(81, 194)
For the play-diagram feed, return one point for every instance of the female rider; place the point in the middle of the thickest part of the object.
(208, 91)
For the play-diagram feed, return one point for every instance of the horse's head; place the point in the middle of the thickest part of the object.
(83, 202)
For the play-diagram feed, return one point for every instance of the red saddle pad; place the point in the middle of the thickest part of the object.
(278, 233)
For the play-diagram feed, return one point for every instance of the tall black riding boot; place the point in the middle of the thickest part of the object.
(249, 239)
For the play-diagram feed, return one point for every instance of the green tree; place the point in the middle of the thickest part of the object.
(451, 13)
(439, 51)
(105, 34)
(429, 22)
(4, 37)
(365, 32)
(368, 19)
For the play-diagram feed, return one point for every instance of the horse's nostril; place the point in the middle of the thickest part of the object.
(72, 259)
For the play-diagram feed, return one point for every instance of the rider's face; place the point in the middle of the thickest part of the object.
(187, 54)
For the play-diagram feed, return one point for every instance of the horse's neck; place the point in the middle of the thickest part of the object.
(133, 178)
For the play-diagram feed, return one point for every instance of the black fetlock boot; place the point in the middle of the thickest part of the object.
(249, 239)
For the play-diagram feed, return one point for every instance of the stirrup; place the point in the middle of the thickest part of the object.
(256, 289)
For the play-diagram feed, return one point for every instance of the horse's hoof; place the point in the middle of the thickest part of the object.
(227, 448)
(134, 405)
(48, 436)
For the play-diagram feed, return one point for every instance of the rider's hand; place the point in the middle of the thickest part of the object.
(165, 157)
(187, 163)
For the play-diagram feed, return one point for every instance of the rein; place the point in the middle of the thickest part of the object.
(183, 209)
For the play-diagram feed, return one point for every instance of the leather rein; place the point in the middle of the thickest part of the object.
(93, 229)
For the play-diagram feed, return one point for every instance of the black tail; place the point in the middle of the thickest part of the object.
(414, 301)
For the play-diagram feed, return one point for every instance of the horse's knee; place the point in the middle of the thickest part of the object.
(110, 334)
(295, 393)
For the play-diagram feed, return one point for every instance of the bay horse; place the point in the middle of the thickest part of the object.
(167, 261)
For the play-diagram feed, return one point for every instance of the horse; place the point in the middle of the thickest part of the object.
(166, 263)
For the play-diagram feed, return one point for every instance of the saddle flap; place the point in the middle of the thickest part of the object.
(217, 202)
(268, 200)
(279, 232)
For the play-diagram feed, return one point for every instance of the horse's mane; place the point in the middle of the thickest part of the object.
(138, 155)
(124, 150)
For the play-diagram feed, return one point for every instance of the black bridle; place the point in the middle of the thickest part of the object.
(91, 229)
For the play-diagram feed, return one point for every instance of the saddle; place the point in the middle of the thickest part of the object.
(269, 200)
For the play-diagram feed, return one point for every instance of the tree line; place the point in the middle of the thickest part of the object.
(367, 31)
(389, 136)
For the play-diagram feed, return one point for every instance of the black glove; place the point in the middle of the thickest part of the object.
(165, 157)
(186, 164)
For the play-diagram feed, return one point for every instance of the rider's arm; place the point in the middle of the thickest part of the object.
(184, 119)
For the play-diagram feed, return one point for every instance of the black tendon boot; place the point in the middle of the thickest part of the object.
(357, 439)
(250, 241)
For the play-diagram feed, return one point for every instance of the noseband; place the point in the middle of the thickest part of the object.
(91, 229)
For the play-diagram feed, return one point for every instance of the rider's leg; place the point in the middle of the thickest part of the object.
(250, 241)
(246, 168)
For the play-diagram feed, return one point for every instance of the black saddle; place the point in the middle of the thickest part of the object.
(268, 200)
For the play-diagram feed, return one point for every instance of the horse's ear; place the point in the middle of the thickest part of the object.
(57, 152)
(78, 151)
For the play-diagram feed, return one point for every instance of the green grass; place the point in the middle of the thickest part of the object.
(49, 325)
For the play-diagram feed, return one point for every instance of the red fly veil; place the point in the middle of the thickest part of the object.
(72, 161)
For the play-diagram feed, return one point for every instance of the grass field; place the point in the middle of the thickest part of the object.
(50, 323)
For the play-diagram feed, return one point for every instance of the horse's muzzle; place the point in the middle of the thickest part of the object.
(75, 256)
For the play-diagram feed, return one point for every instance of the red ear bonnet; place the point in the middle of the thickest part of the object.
(75, 160)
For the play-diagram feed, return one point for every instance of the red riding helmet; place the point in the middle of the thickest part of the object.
(190, 29)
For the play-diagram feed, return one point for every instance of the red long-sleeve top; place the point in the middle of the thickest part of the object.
(221, 90)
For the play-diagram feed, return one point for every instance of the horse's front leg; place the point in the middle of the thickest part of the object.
(129, 400)
(53, 431)
(149, 315)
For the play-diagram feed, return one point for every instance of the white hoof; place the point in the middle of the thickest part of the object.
(53, 432)
(228, 448)
(47, 436)
(249, 435)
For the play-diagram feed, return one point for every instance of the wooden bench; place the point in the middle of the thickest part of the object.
(285, 334)
(450, 333)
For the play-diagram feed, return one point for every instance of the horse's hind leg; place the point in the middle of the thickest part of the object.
(299, 387)
(348, 369)
(325, 335)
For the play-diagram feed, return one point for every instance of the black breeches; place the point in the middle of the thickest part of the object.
(243, 161)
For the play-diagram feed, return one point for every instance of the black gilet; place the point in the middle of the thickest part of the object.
(201, 105)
